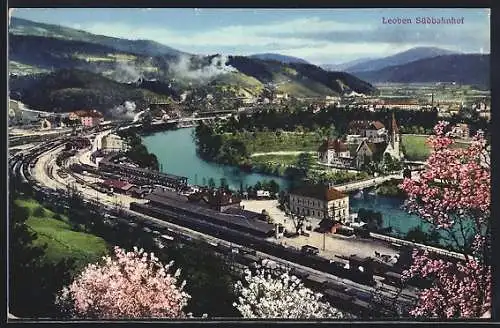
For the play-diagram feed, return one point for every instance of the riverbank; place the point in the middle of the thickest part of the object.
(138, 152)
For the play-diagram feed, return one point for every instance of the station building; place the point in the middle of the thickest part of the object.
(320, 202)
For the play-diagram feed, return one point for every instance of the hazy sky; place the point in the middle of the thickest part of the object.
(320, 36)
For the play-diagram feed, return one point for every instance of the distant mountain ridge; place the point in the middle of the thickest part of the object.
(471, 69)
(280, 58)
(249, 75)
(399, 59)
(45, 49)
(19, 26)
(344, 66)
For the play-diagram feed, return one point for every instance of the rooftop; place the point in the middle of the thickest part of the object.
(118, 184)
(320, 192)
(88, 113)
(237, 219)
(336, 144)
(366, 125)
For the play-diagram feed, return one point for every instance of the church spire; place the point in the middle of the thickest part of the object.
(394, 125)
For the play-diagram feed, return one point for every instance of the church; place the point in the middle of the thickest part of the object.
(362, 151)
(394, 141)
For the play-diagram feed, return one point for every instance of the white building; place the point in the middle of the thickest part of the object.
(320, 202)
(394, 142)
(113, 143)
(334, 152)
(375, 131)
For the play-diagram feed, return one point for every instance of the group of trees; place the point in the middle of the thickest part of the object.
(136, 284)
(289, 119)
(138, 153)
(210, 146)
(266, 185)
(418, 235)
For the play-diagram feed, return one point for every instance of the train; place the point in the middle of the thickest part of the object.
(253, 242)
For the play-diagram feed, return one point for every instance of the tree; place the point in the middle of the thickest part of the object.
(297, 220)
(223, 184)
(453, 194)
(130, 285)
(274, 187)
(305, 162)
(211, 183)
(272, 295)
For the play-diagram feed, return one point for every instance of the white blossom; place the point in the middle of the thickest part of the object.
(264, 295)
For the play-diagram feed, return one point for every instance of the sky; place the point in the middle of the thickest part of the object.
(320, 36)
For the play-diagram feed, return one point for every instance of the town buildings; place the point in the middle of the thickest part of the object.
(368, 141)
(372, 130)
(113, 143)
(88, 118)
(320, 202)
(334, 152)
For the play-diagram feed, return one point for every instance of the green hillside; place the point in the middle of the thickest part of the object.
(40, 48)
(71, 89)
(61, 240)
(20, 26)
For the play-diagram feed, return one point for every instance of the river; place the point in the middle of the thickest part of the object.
(176, 153)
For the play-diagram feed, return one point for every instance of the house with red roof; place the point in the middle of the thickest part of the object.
(88, 118)
(334, 152)
(375, 131)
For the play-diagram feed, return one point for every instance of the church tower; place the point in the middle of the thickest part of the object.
(393, 146)
(395, 137)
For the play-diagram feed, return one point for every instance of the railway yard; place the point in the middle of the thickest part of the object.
(52, 171)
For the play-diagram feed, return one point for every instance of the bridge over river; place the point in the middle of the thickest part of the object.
(372, 182)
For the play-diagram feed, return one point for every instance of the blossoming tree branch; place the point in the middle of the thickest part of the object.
(453, 194)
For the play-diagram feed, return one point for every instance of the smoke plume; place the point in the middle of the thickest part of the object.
(218, 66)
(125, 111)
(127, 73)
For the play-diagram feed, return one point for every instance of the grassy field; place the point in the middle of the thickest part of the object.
(417, 150)
(284, 160)
(261, 142)
(415, 147)
(62, 242)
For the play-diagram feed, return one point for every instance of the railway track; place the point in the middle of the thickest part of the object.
(186, 234)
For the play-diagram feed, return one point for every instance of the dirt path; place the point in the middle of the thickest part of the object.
(282, 153)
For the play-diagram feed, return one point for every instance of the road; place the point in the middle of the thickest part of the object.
(282, 153)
